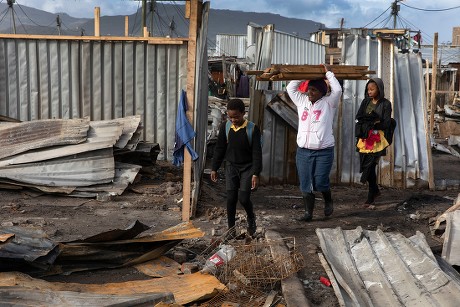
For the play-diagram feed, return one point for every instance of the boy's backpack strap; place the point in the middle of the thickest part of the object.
(249, 131)
(228, 125)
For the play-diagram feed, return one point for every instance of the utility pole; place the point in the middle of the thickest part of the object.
(395, 7)
(172, 27)
(58, 23)
(10, 5)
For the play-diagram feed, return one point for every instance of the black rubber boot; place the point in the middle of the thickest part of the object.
(309, 202)
(328, 204)
(252, 227)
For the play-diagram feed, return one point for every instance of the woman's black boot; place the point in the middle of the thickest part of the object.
(309, 202)
(328, 205)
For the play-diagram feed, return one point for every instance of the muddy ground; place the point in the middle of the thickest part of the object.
(155, 201)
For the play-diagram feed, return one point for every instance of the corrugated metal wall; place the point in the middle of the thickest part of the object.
(407, 163)
(231, 45)
(288, 49)
(41, 79)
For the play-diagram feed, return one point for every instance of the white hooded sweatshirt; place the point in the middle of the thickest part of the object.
(315, 129)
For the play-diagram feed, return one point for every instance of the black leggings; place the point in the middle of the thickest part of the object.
(233, 196)
(372, 178)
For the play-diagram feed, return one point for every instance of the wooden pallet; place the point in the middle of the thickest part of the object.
(310, 72)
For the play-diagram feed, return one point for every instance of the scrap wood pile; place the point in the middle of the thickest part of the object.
(69, 156)
(310, 72)
(27, 255)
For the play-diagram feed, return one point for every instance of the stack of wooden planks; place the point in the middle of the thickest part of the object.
(310, 72)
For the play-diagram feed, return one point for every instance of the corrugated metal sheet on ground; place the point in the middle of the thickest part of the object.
(26, 247)
(17, 138)
(83, 169)
(373, 268)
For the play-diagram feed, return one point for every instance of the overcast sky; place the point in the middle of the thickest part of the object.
(426, 15)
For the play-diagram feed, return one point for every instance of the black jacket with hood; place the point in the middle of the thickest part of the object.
(379, 119)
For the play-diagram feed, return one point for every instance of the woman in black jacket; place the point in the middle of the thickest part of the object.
(374, 127)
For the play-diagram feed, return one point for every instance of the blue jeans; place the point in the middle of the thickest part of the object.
(313, 167)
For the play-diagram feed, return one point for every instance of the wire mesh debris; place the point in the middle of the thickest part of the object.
(253, 271)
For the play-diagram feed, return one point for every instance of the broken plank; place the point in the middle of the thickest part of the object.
(293, 291)
(185, 288)
(20, 296)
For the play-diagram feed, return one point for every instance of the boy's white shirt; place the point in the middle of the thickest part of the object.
(316, 130)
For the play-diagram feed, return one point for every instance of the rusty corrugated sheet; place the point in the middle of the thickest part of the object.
(26, 249)
(20, 137)
(80, 165)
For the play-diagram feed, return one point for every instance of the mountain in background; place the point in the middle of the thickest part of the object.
(167, 20)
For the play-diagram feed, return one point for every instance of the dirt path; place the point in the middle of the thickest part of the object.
(155, 203)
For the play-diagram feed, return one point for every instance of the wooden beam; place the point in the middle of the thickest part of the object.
(390, 31)
(310, 72)
(191, 69)
(126, 25)
(187, 9)
(97, 21)
(150, 40)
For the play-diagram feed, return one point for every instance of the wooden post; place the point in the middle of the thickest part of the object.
(126, 26)
(144, 15)
(97, 21)
(191, 68)
(434, 64)
(433, 82)
(427, 80)
(391, 149)
(146, 32)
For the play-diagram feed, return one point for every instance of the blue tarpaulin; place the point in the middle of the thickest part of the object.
(184, 133)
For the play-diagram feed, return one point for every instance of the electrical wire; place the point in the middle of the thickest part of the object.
(431, 10)
(415, 27)
(181, 14)
(25, 14)
(159, 24)
(377, 17)
(383, 23)
(4, 15)
(135, 19)
(19, 20)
